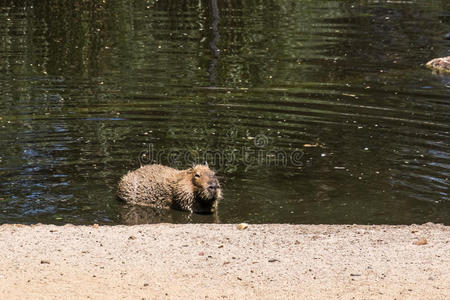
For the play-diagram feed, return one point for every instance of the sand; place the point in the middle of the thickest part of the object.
(218, 261)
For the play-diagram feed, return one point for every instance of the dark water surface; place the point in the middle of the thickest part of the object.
(311, 111)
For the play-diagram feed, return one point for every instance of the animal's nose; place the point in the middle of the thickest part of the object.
(213, 185)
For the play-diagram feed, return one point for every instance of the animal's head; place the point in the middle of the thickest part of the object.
(206, 185)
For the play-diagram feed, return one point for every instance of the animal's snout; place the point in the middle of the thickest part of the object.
(213, 185)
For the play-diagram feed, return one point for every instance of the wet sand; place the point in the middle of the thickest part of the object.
(221, 262)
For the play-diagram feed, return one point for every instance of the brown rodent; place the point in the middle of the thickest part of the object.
(441, 64)
(195, 189)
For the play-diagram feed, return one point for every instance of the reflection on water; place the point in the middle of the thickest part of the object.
(87, 88)
(135, 215)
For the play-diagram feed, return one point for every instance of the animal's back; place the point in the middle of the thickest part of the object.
(148, 185)
(441, 64)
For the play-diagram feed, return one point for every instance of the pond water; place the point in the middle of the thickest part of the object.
(310, 111)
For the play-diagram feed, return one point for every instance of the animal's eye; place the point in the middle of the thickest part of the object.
(197, 175)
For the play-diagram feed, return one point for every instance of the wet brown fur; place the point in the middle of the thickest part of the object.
(195, 189)
(441, 64)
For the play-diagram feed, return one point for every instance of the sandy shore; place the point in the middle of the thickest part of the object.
(220, 261)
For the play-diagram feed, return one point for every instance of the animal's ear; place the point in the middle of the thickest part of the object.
(206, 163)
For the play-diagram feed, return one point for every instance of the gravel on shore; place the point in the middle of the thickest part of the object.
(219, 261)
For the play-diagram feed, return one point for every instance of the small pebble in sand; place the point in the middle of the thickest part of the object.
(422, 241)
(242, 226)
(132, 237)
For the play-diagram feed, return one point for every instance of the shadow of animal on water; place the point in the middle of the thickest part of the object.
(136, 215)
